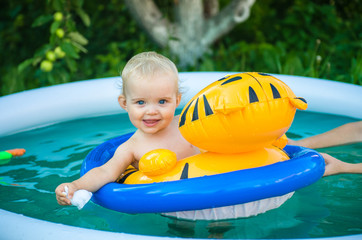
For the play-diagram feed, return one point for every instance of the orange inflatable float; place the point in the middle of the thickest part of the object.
(240, 121)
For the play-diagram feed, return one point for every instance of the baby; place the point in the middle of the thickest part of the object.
(150, 96)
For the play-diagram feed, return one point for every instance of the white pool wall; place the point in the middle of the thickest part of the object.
(39, 107)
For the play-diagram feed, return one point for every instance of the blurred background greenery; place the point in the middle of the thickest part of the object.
(94, 39)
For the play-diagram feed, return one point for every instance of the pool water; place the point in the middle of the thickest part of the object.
(330, 207)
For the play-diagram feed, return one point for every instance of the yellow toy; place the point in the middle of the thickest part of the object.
(240, 113)
(203, 164)
(240, 121)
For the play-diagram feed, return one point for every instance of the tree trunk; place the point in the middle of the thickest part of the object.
(198, 24)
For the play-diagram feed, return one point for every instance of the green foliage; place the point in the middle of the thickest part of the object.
(309, 38)
(93, 39)
(55, 43)
(57, 58)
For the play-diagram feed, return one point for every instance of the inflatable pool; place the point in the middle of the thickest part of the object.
(42, 107)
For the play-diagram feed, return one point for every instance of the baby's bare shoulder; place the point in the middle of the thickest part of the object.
(126, 149)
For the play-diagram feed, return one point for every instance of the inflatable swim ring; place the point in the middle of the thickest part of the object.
(240, 120)
(305, 167)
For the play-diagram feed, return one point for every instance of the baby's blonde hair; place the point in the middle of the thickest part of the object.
(146, 64)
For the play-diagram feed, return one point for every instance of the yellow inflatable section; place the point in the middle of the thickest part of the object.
(239, 113)
(203, 164)
(240, 120)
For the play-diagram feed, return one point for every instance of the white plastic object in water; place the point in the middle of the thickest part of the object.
(80, 197)
(236, 211)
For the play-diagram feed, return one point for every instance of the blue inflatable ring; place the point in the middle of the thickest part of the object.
(305, 167)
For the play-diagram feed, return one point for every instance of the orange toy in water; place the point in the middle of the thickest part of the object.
(5, 156)
(11, 153)
(16, 152)
(239, 113)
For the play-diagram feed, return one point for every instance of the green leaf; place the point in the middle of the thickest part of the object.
(41, 20)
(54, 27)
(69, 49)
(24, 64)
(70, 25)
(78, 3)
(84, 16)
(72, 65)
(42, 50)
(58, 5)
(80, 47)
(62, 75)
(36, 60)
(51, 78)
(78, 38)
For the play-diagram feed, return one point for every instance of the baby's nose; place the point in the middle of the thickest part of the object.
(152, 110)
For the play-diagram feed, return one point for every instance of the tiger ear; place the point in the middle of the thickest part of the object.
(299, 103)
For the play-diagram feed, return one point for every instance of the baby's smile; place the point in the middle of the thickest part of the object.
(150, 122)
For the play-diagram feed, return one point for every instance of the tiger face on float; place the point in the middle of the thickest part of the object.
(239, 113)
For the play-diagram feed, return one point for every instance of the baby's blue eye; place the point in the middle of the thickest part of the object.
(140, 102)
(162, 101)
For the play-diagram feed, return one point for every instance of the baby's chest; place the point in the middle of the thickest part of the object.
(177, 147)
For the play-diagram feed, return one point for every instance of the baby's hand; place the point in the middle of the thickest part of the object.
(333, 165)
(61, 195)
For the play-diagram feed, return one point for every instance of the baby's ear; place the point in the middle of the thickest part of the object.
(178, 99)
(122, 102)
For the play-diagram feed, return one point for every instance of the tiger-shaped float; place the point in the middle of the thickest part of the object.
(239, 122)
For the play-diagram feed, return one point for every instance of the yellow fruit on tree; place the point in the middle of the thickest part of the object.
(50, 55)
(46, 66)
(59, 32)
(58, 16)
(59, 53)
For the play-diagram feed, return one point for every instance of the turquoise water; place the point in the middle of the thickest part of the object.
(330, 207)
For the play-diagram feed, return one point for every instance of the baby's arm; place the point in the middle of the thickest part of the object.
(335, 166)
(97, 177)
(345, 134)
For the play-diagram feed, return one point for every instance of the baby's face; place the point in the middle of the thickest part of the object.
(151, 101)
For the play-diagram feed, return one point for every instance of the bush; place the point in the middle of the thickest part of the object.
(316, 39)
(308, 38)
